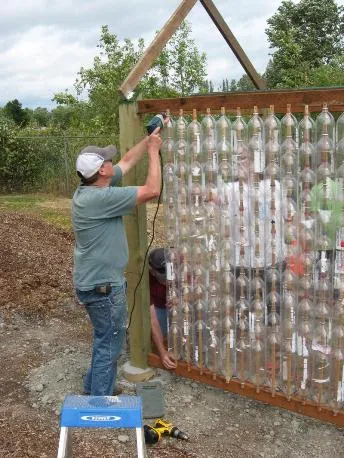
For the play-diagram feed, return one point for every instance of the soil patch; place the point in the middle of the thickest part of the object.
(45, 340)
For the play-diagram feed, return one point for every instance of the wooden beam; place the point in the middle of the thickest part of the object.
(131, 131)
(249, 390)
(233, 43)
(155, 48)
(298, 98)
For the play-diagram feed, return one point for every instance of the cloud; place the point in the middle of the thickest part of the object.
(43, 44)
(45, 62)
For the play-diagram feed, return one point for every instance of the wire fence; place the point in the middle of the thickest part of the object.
(44, 164)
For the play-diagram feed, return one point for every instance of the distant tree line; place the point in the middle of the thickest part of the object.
(307, 49)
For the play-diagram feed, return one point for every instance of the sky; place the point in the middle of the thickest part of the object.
(43, 44)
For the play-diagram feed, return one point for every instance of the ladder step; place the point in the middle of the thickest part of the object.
(102, 412)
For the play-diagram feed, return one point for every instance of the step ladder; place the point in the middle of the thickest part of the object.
(100, 412)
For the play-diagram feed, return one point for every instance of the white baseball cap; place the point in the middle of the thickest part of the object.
(92, 158)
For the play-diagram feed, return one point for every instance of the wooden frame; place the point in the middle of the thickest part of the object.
(250, 391)
(298, 98)
(155, 48)
(131, 128)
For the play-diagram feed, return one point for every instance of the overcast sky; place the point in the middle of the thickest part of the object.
(44, 43)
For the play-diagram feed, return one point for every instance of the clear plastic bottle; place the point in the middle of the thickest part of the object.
(321, 343)
(257, 332)
(194, 139)
(289, 309)
(305, 258)
(174, 334)
(256, 141)
(272, 197)
(242, 333)
(239, 139)
(199, 281)
(200, 333)
(304, 346)
(272, 136)
(208, 128)
(213, 344)
(306, 133)
(325, 121)
(223, 137)
(187, 333)
(325, 134)
(289, 126)
(197, 212)
(228, 340)
(181, 149)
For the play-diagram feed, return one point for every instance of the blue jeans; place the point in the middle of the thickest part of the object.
(162, 318)
(108, 314)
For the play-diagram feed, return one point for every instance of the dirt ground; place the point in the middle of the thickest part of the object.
(45, 350)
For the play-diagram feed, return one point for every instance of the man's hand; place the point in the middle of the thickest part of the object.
(154, 141)
(168, 360)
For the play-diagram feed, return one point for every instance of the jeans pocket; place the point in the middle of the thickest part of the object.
(118, 305)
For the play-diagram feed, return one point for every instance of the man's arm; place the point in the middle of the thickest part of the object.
(132, 157)
(166, 357)
(152, 186)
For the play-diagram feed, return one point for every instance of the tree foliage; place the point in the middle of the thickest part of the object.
(13, 110)
(305, 37)
(184, 65)
(179, 70)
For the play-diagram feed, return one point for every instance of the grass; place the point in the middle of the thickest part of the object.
(55, 210)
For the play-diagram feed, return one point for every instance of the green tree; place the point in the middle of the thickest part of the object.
(233, 85)
(328, 75)
(304, 36)
(245, 84)
(41, 116)
(185, 64)
(101, 82)
(13, 110)
(224, 86)
(179, 70)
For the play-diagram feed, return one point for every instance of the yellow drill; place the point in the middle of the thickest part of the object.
(162, 428)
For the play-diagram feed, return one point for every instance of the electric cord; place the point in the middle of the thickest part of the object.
(150, 243)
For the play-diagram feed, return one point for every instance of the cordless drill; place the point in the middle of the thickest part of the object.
(167, 429)
(162, 428)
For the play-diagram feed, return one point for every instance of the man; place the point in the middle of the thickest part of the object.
(101, 249)
(158, 311)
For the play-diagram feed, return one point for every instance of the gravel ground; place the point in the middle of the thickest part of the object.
(45, 349)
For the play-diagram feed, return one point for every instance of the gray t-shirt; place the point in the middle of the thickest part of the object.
(101, 247)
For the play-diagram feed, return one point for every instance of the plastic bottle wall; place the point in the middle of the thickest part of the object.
(254, 226)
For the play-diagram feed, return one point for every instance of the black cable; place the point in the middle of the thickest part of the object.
(150, 243)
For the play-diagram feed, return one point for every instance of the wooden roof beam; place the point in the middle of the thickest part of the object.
(298, 98)
(233, 43)
(155, 48)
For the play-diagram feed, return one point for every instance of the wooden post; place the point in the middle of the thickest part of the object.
(131, 131)
(155, 48)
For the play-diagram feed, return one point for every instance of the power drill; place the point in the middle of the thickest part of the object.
(157, 121)
(162, 428)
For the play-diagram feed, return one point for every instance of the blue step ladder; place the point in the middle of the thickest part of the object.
(100, 412)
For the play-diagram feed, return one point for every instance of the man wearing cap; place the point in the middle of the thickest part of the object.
(158, 311)
(101, 248)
